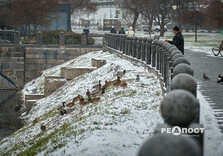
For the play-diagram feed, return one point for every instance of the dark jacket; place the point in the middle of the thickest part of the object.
(121, 31)
(86, 31)
(178, 41)
(113, 31)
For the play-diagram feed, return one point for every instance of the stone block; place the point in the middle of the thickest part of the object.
(52, 83)
(19, 73)
(29, 104)
(98, 62)
(11, 49)
(16, 54)
(5, 65)
(70, 72)
(7, 54)
(30, 56)
(20, 65)
(20, 59)
(33, 96)
(20, 82)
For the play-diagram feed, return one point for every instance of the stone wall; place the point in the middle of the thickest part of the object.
(12, 63)
(22, 64)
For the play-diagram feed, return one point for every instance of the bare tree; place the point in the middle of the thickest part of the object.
(27, 12)
(134, 8)
(214, 15)
(193, 19)
(163, 14)
(82, 5)
(149, 13)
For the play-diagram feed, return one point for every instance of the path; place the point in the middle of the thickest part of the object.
(212, 66)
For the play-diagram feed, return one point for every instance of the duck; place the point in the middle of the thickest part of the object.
(39, 73)
(61, 107)
(88, 93)
(102, 91)
(123, 85)
(220, 78)
(98, 86)
(108, 83)
(121, 74)
(43, 127)
(137, 77)
(63, 111)
(82, 100)
(95, 100)
(205, 77)
(71, 103)
(35, 121)
(117, 82)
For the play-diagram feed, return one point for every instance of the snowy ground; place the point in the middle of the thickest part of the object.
(117, 125)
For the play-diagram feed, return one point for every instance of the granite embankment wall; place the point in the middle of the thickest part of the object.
(22, 64)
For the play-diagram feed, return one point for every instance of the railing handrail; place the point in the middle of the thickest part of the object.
(175, 74)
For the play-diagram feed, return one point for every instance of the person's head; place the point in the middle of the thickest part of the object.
(113, 26)
(176, 29)
(131, 29)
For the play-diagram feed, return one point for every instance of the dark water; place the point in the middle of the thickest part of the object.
(9, 121)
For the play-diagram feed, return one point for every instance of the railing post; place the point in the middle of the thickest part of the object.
(144, 49)
(104, 48)
(124, 43)
(62, 39)
(16, 37)
(134, 41)
(153, 53)
(158, 60)
(116, 41)
(148, 53)
(138, 49)
(130, 46)
(165, 68)
(39, 38)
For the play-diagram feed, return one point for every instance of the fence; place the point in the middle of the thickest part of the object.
(69, 40)
(179, 107)
(9, 37)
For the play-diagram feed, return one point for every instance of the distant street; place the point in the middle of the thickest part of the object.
(212, 66)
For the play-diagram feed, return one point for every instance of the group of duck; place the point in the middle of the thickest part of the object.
(220, 77)
(94, 96)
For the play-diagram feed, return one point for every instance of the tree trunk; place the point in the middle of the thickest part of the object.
(150, 26)
(134, 21)
(29, 33)
(162, 27)
(195, 33)
(35, 29)
(25, 32)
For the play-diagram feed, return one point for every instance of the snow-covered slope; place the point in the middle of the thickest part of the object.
(117, 125)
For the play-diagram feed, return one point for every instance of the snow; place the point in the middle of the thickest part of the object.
(213, 136)
(117, 125)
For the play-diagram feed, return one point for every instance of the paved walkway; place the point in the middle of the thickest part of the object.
(212, 66)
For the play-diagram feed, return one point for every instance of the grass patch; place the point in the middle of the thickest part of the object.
(125, 93)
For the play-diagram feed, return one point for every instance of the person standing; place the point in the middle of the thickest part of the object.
(113, 30)
(178, 39)
(121, 31)
(86, 31)
(130, 32)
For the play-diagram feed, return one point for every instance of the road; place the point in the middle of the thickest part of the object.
(212, 66)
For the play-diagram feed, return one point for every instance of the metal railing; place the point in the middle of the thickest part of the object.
(179, 107)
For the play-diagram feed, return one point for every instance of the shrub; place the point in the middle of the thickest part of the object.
(52, 37)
